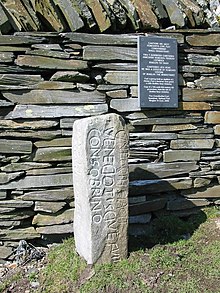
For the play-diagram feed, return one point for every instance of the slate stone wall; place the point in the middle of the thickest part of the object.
(48, 80)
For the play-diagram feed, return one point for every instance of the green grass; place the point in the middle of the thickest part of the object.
(180, 266)
(184, 266)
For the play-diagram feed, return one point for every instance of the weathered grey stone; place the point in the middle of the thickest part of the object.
(19, 234)
(17, 215)
(201, 182)
(54, 97)
(53, 154)
(159, 9)
(125, 105)
(117, 66)
(140, 219)
(67, 123)
(49, 171)
(154, 136)
(5, 177)
(72, 17)
(70, 76)
(165, 121)
(109, 53)
(32, 111)
(52, 195)
(131, 13)
(175, 14)
(195, 136)
(12, 48)
(49, 47)
(10, 223)
(122, 77)
(217, 129)
(8, 146)
(204, 40)
(181, 155)
(39, 124)
(3, 194)
(159, 170)
(16, 204)
(49, 207)
(100, 174)
(98, 39)
(215, 165)
(48, 53)
(21, 15)
(136, 199)
(56, 219)
(50, 63)
(21, 40)
(146, 14)
(24, 166)
(197, 69)
(211, 192)
(44, 85)
(55, 229)
(6, 57)
(6, 210)
(49, 134)
(146, 207)
(208, 82)
(192, 144)
(5, 252)
(100, 15)
(85, 13)
(199, 130)
(18, 79)
(144, 187)
(4, 103)
(57, 142)
(203, 60)
(173, 128)
(181, 204)
(117, 94)
(200, 95)
(212, 117)
(48, 11)
(5, 26)
(29, 182)
(194, 106)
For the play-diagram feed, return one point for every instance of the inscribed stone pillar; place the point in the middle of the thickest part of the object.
(100, 179)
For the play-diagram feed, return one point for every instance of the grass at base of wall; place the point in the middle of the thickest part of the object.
(182, 266)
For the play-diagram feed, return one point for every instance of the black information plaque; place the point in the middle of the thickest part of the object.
(157, 72)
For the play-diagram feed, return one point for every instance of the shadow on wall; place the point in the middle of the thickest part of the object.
(158, 212)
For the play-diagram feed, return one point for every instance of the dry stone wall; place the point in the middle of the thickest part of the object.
(106, 15)
(48, 80)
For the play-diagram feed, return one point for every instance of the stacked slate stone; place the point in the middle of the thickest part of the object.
(48, 80)
(106, 15)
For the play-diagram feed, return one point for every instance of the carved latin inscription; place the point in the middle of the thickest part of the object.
(101, 215)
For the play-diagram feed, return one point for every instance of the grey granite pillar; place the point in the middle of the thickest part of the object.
(100, 178)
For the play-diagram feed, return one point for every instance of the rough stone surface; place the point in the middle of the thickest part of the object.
(204, 40)
(35, 111)
(109, 53)
(55, 219)
(100, 176)
(192, 144)
(181, 155)
(182, 204)
(160, 170)
(50, 195)
(212, 117)
(8, 146)
(211, 192)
